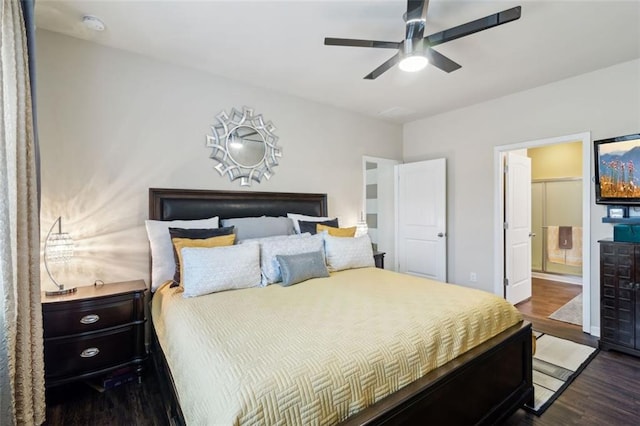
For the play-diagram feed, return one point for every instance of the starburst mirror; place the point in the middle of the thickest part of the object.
(244, 146)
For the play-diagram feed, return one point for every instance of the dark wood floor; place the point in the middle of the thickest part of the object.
(547, 297)
(607, 392)
(129, 404)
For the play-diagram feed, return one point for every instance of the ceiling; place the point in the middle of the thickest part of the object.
(278, 45)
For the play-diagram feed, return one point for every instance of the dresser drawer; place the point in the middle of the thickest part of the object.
(84, 316)
(82, 354)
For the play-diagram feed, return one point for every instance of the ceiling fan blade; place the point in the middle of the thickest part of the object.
(328, 41)
(382, 68)
(439, 60)
(416, 18)
(474, 26)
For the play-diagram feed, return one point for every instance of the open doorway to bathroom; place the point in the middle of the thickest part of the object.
(556, 235)
(560, 191)
(556, 219)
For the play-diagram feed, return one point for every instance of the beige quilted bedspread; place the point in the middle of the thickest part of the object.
(318, 351)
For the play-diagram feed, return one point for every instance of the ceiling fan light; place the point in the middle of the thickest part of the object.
(413, 63)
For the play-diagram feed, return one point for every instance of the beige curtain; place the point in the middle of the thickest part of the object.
(21, 348)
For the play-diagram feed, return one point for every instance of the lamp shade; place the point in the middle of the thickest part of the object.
(58, 248)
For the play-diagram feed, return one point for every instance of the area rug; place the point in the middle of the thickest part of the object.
(556, 363)
(570, 312)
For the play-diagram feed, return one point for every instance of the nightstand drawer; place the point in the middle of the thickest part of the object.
(78, 355)
(86, 316)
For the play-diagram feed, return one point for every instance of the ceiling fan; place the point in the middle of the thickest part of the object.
(415, 51)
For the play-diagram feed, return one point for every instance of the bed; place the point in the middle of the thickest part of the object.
(482, 385)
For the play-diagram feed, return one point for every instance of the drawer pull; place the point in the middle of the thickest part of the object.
(89, 352)
(89, 319)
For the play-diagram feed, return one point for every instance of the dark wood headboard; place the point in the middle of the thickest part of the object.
(191, 204)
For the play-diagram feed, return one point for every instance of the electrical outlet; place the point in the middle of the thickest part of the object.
(473, 277)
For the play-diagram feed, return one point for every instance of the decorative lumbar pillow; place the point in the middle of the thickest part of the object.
(296, 268)
(338, 232)
(224, 239)
(310, 227)
(209, 270)
(162, 265)
(348, 253)
(298, 217)
(286, 246)
(260, 227)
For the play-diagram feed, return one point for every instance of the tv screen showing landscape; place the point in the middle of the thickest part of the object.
(618, 169)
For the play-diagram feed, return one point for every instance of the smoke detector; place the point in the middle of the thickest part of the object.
(93, 23)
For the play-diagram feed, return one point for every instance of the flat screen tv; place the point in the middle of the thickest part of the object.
(617, 167)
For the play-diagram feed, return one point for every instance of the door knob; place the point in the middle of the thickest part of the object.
(532, 234)
(440, 234)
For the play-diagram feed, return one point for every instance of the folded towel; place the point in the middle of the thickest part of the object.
(554, 253)
(565, 240)
(574, 256)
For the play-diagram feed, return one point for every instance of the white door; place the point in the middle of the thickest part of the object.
(517, 228)
(422, 219)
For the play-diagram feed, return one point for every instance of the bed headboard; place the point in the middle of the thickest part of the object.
(191, 204)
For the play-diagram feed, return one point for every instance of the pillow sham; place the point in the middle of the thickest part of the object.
(296, 268)
(298, 217)
(310, 227)
(348, 253)
(180, 243)
(210, 270)
(162, 265)
(338, 232)
(294, 245)
(259, 227)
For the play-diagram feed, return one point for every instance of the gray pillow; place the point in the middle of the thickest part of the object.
(296, 268)
(259, 227)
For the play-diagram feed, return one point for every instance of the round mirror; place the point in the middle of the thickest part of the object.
(246, 146)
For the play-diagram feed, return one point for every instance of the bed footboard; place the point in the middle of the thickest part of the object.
(483, 386)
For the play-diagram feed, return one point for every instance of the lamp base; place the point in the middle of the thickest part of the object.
(61, 292)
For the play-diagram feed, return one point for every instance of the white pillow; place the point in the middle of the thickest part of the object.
(346, 253)
(295, 244)
(163, 264)
(297, 217)
(209, 270)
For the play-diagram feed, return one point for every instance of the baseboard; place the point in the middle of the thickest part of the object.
(560, 278)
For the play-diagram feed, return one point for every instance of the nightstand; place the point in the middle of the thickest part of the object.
(94, 331)
(378, 257)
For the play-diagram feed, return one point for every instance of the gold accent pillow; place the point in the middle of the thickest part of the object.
(337, 232)
(180, 243)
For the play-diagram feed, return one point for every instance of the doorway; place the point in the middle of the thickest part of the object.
(582, 244)
(379, 211)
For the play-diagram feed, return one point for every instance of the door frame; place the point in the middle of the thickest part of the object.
(498, 244)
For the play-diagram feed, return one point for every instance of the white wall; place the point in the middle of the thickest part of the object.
(605, 102)
(112, 124)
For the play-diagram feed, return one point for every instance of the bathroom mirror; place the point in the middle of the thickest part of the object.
(244, 146)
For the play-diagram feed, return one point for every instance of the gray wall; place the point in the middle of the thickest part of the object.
(112, 124)
(605, 102)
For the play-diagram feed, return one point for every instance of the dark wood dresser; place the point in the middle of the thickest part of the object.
(94, 331)
(620, 296)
